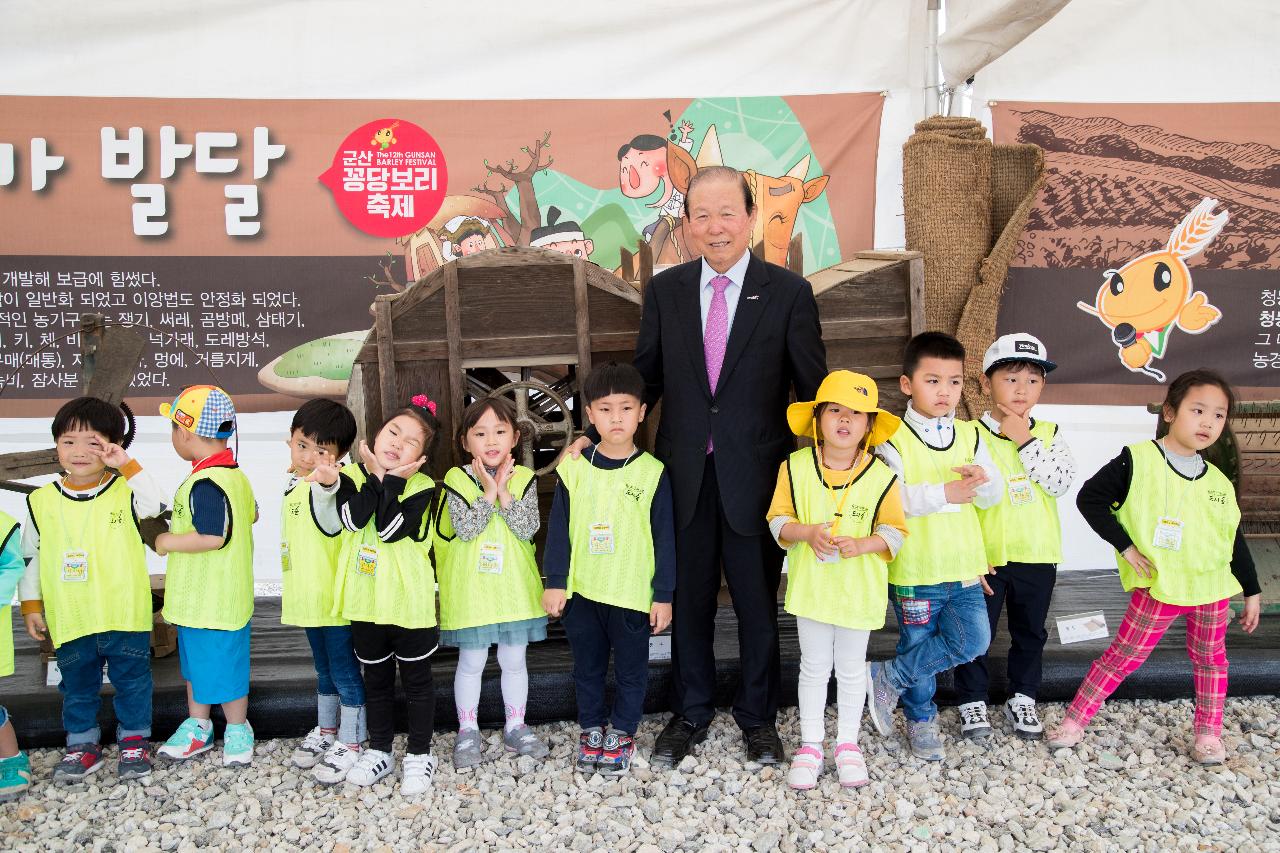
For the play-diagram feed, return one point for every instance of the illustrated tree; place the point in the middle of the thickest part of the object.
(388, 278)
(520, 228)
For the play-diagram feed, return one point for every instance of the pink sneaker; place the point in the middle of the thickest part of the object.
(851, 766)
(1066, 735)
(806, 766)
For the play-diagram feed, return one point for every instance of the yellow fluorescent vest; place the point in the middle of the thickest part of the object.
(213, 589)
(93, 565)
(853, 592)
(610, 531)
(1029, 532)
(944, 546)
(1199, 572)
(308, 559)
(493, 578)
(388, 583)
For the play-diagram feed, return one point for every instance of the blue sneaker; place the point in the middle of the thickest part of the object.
(926, 739)
(237, 745)
(15, 777)
(882, 698)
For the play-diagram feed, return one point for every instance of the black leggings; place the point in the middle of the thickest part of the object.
(380, 648)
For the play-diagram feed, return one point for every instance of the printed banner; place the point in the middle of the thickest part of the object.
(248, 238)
(1154, 247)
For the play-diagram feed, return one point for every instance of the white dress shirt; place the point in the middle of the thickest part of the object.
(736, 274)
(927, 498)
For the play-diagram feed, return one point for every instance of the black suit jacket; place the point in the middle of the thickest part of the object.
(775, 342)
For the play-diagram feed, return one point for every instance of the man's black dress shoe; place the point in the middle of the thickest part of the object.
(764, 746)
(677, 740)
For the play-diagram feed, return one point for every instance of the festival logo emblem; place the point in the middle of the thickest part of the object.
(388, 178)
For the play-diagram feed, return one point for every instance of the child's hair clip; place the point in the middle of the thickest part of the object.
(422, 401)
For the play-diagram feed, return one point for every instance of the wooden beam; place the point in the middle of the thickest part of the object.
(795, 255)
(915, 295)
(490, 349)
(28, 463)
(388, 392)
(453, 336)
(843, 330)
(582, 317)
(646, 265)
(627, 264)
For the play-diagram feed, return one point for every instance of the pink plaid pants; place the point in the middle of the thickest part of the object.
(1144, 624)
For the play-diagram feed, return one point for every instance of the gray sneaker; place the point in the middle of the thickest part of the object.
(926, 740)
(522, 741)
(468, 751)
(882, 698)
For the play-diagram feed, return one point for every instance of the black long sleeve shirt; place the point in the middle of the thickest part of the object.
(1106, 491)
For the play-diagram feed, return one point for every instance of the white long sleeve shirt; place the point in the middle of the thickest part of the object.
(1052, 468)
(927, 498)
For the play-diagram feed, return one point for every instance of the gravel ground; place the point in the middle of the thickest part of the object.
(1130, 786)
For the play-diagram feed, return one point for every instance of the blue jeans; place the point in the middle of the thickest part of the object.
(127, 656)
(940, 626)
(337, 670)
(594, 629)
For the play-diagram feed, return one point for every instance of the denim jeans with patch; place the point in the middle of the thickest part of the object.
(127, 656)
(940, 626)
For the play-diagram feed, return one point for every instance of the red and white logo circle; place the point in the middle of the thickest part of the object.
(388, 177)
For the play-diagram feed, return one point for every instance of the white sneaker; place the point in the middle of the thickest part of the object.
(806, 767)
(336, 764)
(974, 724)
(312, 749)
(370, 766)
(416, 774)
(1021, 711)
(851, 766)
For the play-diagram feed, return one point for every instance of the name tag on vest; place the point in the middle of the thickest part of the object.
(490, 561)
(367, 561)
(1168, 534)
(1020, 491)
(600, 538)
(75, 566)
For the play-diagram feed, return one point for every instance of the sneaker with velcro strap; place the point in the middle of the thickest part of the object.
(974, 724)
(78, 763)
(336, 764)
(312, 749)
(417, 772)
(372, 766)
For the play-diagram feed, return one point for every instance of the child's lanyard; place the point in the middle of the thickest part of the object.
(831, 493)
(88, 516)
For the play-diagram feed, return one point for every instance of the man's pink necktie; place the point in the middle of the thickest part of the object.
(716, 335)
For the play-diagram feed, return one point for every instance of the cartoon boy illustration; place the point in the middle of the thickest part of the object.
(1144, 300)
(468, 236)
(565, 237)
(643, 167)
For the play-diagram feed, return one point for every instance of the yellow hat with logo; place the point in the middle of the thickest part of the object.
(855, 391)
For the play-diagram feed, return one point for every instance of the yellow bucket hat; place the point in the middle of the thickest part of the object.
(855, 391)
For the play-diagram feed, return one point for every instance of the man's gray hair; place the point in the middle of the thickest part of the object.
(724, 173)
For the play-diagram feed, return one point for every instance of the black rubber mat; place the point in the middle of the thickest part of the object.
(282, 694)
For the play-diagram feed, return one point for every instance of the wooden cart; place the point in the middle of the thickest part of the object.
(526, 323)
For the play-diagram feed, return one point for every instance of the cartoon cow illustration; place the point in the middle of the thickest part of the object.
(1144, 300)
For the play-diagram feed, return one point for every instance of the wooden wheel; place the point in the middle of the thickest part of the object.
(543, 416)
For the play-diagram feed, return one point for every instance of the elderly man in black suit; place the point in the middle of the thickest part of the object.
(723, 340)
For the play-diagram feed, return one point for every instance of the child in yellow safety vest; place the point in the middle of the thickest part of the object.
(490, 590)
(936, 577)
(86, 586)
(311, 542)
(1173, 520)
(15, 769)
(611, 566)
(385, 585)
(209, 577)
(1021, 533)
(837, 510)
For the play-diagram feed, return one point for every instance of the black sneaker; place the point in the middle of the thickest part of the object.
(80, 760)
(590, 748)
(616, 753)
(135, 758)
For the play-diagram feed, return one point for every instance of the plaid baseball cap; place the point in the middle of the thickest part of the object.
(205, 410)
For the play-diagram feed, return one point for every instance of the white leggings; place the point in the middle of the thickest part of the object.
(823, 647)
(467, 681)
